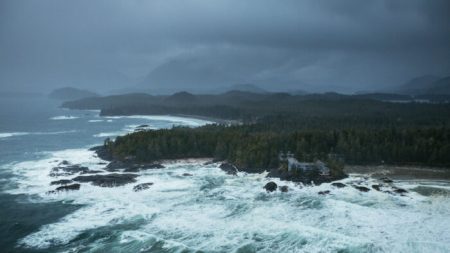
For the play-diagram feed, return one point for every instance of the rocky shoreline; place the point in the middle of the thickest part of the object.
(131, 165)
(118, 173)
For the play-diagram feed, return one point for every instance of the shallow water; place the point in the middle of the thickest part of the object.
(209, 211)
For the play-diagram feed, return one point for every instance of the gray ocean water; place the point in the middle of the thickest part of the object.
(209, 211)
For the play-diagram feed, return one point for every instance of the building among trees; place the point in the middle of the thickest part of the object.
(294, 165)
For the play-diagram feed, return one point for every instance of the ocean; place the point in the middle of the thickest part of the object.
(208, 211)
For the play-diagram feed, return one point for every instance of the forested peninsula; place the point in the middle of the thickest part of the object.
(334, 128)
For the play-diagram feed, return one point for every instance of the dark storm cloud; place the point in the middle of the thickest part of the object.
(201, 44)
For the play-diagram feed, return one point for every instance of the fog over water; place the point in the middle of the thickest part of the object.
(165, 46)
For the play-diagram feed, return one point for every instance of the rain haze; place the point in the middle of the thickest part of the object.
(217, 126)
(344, 46)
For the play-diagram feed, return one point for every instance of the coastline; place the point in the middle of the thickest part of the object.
(400, 172)
(199, 117)
(215, 120)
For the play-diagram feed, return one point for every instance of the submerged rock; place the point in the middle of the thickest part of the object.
(270, 186)
(187, 175)
(229, 168)
(64, 162)
(284, 188)
(399, 190)
(376, 187)
(361, 188)
(141, 187)
(110, 180)
(68, 170)
(324, 192)
(62, 181)
(338, 185)
(430, 191)
(386, 180)
(70, 187)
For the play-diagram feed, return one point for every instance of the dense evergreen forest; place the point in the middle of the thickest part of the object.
(256, 145)
(357, 129)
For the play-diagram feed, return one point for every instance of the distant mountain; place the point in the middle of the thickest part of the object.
(181, 98)
(297, 92)
(247, 87)
(70, 93)
(417, 86)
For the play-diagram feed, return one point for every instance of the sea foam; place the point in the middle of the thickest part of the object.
(175, 119)
(213, 210)
(7, 135)
(64, 117)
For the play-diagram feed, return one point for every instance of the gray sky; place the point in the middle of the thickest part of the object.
(346, 45)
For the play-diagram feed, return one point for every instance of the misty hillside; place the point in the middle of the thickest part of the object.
(426, 85)
(247, 106)
(247, 87)
(181, 98)
(69, 93)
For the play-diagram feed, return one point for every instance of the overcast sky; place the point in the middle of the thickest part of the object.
(346, 45)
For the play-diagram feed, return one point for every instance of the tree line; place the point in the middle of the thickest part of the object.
(251, 146)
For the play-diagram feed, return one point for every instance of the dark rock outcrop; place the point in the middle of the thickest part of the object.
(307, 177)
(70, 187)
(60, 182)
(270, 186)
(116, 166)
(146, 166)
(187, 175)
(92, 172)
(141, 187)
(361, 188)
(68, 170)
(386, 180)
(64, 162)
(229, 168)
(376, 187)
(399, 190)
(102, 153)
(284, 188)
(110, 180)
(129, 166)
(338, 185)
